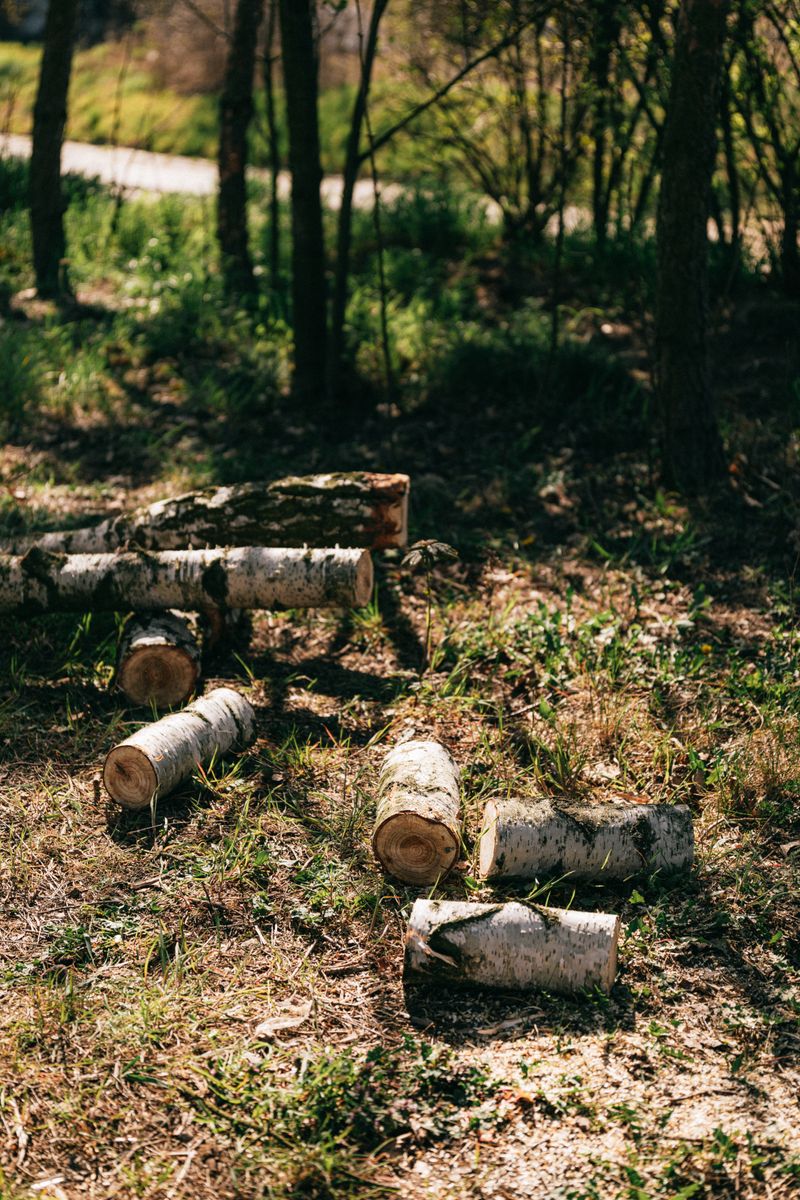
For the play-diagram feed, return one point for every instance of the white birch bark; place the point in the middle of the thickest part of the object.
(512, 946)
(417, 828)
(359, 508)
(157, 758)
(533, 839)
(246, 577)
(160, 655)
(158, 659)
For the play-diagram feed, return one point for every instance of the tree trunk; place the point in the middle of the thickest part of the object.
(152, 762)
(790, 255)
(308, 252)
(511, 946)
(691, 450)
(349, 179)
(235, 115)
(359, 508)
(247, 577)
(417, 829)
(274, 151)
(605, 30)
(49, 121)
(534, 840)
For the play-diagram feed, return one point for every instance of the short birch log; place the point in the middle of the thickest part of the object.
(417, 828)
(158, 659)
(528, 840)
(152, 762)
(515, 946)
(358, 508)
(246, 577)
(160, 655)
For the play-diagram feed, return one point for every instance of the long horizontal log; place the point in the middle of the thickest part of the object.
(417, 830)
(515, 946)
(152, 762)
(534, 839)
(364, 509)
(246, 577)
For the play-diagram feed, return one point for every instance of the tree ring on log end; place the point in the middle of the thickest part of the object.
(129, 777)
(162, 675)
(414, 849)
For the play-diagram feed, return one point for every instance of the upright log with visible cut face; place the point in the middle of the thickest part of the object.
(158, 660)
(534, 839)
(247, 577)
(160, 655)
(157, 758)
(359, 508)
(512, 946)
(417, 827)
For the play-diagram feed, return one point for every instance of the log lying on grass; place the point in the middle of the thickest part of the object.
(417, 830)
(157, 758)
(514, 946)
(160, 655)
(158, 659)
(528, 840)
(246, 577)
(359, 508)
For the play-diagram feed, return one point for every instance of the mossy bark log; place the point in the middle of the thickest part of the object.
(417, 828)
(247, 577)
(359, 508)
(157, 758)
(513, 946)
(534, 839)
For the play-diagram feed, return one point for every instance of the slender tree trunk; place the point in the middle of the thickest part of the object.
(605, 28)
(235, 115)
(790, 256)
(49, 121)
(731, 165)
(352, 164)
(308, 252)
(691, 450)
(274, 151)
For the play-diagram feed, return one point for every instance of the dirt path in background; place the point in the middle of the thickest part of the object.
(143, 171)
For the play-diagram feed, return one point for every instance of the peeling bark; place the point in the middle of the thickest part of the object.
(359, 508)
(530, 840)
(247, 577)
(417, 827)
(513, 946)
(152, 762)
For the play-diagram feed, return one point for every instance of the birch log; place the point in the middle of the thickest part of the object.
(533, 839)
(515, 946)
(160, 655)
(246, 577)
(158, 660)
(152, 762)
(417, 828)
(359, 508)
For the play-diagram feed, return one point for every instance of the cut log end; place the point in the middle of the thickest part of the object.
(364, 580)
(162, 675)
(414, 849)
(129, 777)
